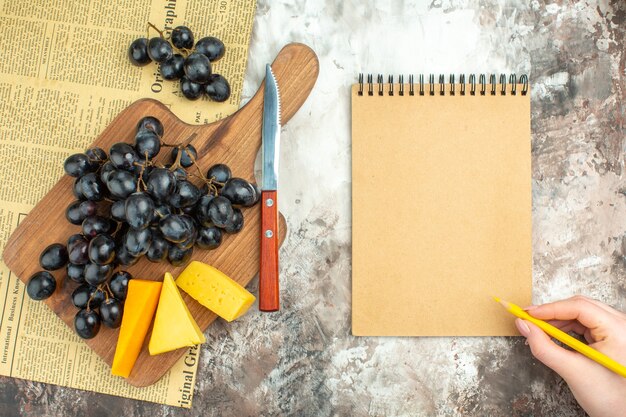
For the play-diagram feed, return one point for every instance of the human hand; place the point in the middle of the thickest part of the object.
(598, 390)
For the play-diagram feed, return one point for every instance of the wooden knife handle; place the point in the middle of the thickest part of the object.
(268, 274)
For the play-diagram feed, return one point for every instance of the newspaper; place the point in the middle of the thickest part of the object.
(64, 76)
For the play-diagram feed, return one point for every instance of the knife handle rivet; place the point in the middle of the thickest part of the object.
(269, 202)
(269, 233)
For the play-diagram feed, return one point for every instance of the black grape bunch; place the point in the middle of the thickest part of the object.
(130, 206)
(179, 59)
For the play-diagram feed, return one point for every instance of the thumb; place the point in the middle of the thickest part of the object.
(564, 362)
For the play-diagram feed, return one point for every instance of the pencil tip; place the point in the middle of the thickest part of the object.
(504, 303)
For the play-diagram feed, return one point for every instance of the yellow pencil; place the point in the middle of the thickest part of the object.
(563, 337)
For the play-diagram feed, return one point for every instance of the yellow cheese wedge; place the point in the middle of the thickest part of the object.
(214, 290)
(141, 302)
(174, 326)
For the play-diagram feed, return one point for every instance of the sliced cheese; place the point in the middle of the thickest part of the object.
(214, 290)
(174, 326)
(141, 302)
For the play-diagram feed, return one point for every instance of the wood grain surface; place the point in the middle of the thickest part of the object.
(234, 141)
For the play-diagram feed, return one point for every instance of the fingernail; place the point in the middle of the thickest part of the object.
(529, 308)
(522, 327)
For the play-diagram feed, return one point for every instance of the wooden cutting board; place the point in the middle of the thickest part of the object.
(234, 141)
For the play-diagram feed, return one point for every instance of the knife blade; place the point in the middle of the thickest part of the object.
(270, 135)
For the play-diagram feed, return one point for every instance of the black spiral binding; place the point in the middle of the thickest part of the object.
(510, 86)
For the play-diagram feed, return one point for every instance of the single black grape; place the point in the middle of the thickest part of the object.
(236, 222)
(138, 52)
(188, 156)
(182, 37)
(119, 284)
(87, 323)
(111, 313)
(97, 274)
(191, 90)
(159, 49)
(185, 195)
(178, 256)
(76, 273)
(174, 228)
(161, 183)
(93, 189)
(211, 47)
(106, 170)
(137, 241)
(147, 143)
(94, 225)
(77, 165)
(118, 211)
(219, 172)
(54, 257)
(173, 68)
(41, 285)
(158, 248)
(81, 296)
(197, 68)
(201, 212)
(73, 213)
(121, 183)
(122, 155)
(152, 124)
(102, 249)
(217, 88)
(209, 237)
(139, 210)
(240, 192)
(220, 211)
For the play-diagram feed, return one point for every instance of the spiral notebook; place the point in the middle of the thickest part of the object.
(441, 204)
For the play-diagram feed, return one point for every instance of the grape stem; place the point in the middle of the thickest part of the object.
(176, 163)
(117, 228)
(140, 180)
(210, 181)
(90, 299)
(150, 25)
(107, 292)
(179, 155)
(193, 162)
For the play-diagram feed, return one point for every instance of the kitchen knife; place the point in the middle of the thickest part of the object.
(268, 274)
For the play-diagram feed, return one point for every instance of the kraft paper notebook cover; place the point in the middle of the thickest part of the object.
(441, 206)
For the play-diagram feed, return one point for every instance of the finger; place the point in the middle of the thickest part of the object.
(576, 308)
(564, 362)
(569, 326)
